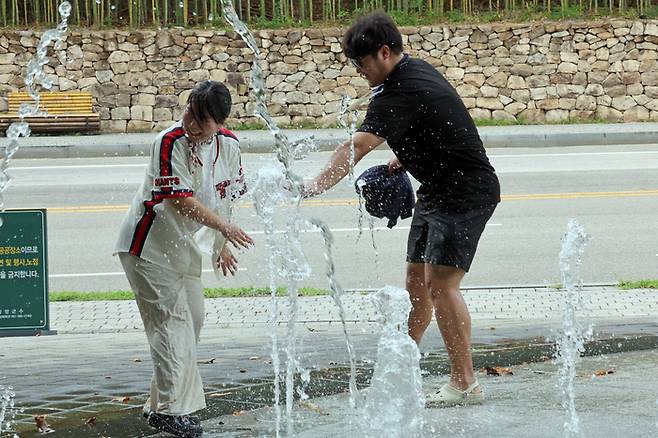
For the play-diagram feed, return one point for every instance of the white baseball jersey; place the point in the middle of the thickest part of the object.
(153, 229)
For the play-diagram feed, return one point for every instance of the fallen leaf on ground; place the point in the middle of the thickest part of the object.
(497, 371)
(312, 407)
(242, 370)
(124, 399)
(42, 425)
(108, 377)
(207, 362)
(137, 359)
(492, 328)
(603, 372)
(91, 422)
(238, 413)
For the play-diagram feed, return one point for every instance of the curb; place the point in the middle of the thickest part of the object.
(531, 136)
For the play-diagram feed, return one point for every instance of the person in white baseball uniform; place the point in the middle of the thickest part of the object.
(181, 211)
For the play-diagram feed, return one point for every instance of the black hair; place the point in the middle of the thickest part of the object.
(370, 33)
(210, 100)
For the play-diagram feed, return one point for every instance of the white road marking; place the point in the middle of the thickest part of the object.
(349, 230)
(107, 274)
(78, 166)
(572, 154)
(496, 155)
(256, 232)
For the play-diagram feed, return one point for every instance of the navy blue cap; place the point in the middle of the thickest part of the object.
(385, 194)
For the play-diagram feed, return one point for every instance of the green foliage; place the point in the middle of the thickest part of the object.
(208, 293)
(277, 14)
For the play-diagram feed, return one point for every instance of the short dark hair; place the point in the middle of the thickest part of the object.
(210, 100)
(370, 33)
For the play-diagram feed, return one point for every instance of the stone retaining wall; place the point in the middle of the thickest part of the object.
(536, 72)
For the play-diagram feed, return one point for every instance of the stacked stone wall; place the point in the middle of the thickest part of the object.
(540, 72)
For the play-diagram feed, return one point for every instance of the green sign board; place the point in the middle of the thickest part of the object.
(23, 270)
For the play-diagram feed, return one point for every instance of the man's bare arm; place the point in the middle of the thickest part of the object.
(192, 208)
(339, 163)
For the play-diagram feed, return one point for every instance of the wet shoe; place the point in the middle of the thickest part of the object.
(181, 426)
(448, 396)
(193, 418)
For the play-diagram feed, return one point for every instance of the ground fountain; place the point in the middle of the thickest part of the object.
(571, 340)
(395, 400)
(7, 409)
(34, 78)
(277, 184)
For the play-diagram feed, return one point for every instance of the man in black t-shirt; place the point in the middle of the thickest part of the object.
(423, 120)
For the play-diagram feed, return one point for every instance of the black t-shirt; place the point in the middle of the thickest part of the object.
(429, 129)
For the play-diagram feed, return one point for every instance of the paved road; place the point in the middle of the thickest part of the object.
(612, 190)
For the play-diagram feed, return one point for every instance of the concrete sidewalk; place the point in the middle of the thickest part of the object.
(78, 146)
(98, 365)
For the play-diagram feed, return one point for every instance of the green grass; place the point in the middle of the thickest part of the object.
(122, 295)
(638, 284)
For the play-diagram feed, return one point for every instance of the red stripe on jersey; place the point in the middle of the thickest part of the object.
(167, 148)
(144, 225)
(227, 133)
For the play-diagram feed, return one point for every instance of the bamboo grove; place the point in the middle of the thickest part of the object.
(158, 13)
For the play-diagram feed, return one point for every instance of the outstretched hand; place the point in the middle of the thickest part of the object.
(237, 236)
(227, 261)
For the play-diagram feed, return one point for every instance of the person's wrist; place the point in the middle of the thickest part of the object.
(308, 190)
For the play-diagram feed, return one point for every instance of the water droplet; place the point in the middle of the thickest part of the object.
(65, 10)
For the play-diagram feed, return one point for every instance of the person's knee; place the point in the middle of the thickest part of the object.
(415, 275)
(442, 290)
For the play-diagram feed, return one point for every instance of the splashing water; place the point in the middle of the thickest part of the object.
(395, 400)
(572, 338)
(7, 409)
(267, 197)
(347, 119)
(35, 76)
(287, 260)
(337, 292)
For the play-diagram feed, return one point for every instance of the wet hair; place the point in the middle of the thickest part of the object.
(210, 100)
(370, 33)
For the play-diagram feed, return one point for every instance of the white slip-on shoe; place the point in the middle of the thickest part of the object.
(448, 396)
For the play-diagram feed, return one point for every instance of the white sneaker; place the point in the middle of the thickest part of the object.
(448, 396)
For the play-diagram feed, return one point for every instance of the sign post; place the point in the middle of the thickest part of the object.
(24, 273)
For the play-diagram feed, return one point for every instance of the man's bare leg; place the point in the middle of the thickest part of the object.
(454, 321)
(421, 301)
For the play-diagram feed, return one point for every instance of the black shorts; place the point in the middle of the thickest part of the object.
(448, 239)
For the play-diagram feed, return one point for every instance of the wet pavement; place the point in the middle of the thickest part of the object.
(98, 363)
(616, 396)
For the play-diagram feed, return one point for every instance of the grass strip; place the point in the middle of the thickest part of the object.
(235, 292)
(638, 284)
